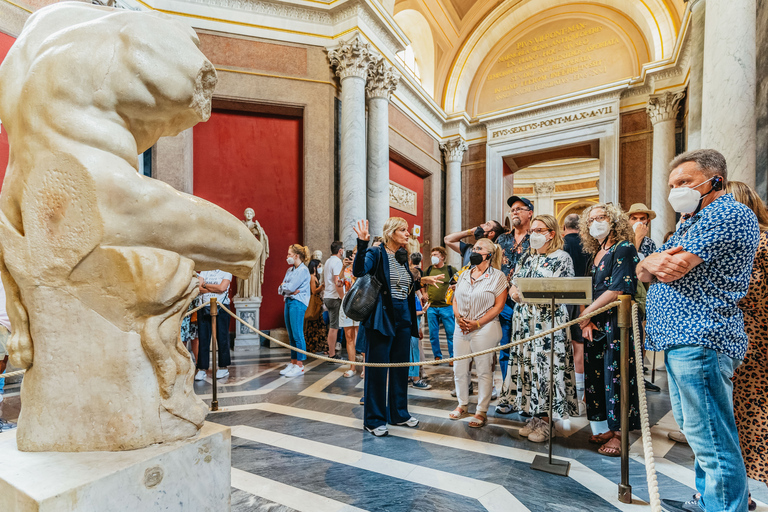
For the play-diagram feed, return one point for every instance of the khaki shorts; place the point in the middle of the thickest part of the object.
(5, 335)
(333, 306)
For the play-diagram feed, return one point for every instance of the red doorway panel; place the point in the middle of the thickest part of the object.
(246, 160)
(5, 44)
(409, 180)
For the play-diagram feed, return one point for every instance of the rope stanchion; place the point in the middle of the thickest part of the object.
(650, 466)
(198, 308)
(424, 363)
(12, 374)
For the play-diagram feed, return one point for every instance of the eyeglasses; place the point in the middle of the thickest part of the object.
(599, 218)
(518, 210)
(541, 231)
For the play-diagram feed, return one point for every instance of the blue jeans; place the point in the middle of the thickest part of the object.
(413, 371)
(294, 324)
(434, 317)
(701, 393)
(505, 318)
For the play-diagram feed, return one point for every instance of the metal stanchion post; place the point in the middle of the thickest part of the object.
(214, 353)
(625, 324)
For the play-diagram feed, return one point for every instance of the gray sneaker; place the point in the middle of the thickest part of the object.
(677, 437)
(379, 431)
(691, 505)
(412, 423)
(6, 425)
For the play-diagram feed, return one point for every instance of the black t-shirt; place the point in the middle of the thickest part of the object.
(576, 251)
(466, 252)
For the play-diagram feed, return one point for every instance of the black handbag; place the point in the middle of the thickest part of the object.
(360, 300)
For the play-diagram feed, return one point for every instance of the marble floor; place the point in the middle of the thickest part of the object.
(298, 444)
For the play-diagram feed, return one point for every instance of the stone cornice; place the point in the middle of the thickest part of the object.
(664, 106)
(382, 80)
(454, 149)
(353, 58)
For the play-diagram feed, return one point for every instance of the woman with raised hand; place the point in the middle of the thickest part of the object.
(526, 386)
(479, 298)
(606, 234)
(389, 327)
(295, 291)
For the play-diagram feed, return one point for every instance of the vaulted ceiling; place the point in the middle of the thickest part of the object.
(465, 35)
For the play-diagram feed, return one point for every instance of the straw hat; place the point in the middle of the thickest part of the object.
(641, 208)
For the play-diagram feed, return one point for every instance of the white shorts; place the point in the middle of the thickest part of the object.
(345, 321)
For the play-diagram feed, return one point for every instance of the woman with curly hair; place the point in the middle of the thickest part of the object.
(606, 234)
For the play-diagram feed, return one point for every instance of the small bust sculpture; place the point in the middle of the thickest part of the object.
(251, 287)
(97, 260)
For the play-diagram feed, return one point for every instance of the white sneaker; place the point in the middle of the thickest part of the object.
(541, 433)
(494, 394)
(287, 369)
(529, 427)
(412, 423)
(295, 371)
(200, 375)
(220, 374)
(582, 408)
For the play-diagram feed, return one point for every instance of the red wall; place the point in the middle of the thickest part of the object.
(246, 160)
(5, 44)
(406, 178)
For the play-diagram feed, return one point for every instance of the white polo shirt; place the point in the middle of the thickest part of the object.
(330, 272)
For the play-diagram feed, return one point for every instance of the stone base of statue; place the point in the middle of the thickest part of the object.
(181, 476)
(247, 309)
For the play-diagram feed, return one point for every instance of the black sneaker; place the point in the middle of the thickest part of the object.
(651, 387)
(6, 425)
(691, 505)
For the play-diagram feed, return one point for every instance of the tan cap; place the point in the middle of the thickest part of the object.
(641, 208)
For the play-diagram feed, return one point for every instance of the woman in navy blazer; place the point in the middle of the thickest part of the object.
(389, 327)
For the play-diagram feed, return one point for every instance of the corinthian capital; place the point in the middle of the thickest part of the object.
(382, 80)
(454, 149)
(544, 187)
(352, 58)
(664, 106)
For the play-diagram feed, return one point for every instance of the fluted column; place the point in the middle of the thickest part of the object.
(662, 110)
(728, 119)
(382, 81)
(454, 152)
(352, 60)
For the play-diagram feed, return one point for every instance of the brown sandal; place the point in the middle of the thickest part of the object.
(611, 449)
(601, 438)
(457, 413)
(480, 420)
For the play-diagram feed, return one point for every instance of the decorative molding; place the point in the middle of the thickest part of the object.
(403, 199)
(544, 187)
(382, 80)
(551, 109)
(664, 106)
(353, 58)
(282, 10)
(454, 149)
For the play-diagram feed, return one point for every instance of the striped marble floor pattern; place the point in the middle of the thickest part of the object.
(298, 445)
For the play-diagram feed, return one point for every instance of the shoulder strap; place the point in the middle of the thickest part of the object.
(429, 269)
(451, 271)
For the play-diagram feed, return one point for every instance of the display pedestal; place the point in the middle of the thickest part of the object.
(248, 310)
(193, 474)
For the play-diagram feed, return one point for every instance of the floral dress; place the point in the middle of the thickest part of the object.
(602, 386)
(526, 386)
(750, 380)
(316, 331)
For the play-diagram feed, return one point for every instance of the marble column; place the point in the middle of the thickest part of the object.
(728, 119)
(173, 162)
(698, 16)
(545, 203)
(454, 152)
(352, 60)
(382, 82)
(662, 110)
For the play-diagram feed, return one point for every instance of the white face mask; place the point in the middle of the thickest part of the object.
(538, 241)
(637, 225)
(435, 260)
(600, 230)
(685, 199)
(290, 261)
(320, 269)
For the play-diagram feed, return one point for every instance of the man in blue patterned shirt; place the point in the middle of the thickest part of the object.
(702, 272)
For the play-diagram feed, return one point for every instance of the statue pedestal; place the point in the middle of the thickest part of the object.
(248, 310)
(193, 474)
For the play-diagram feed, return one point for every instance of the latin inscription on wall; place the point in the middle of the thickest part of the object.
(555, 58)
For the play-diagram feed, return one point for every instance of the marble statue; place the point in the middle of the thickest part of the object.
(250, 288)
(97, 260)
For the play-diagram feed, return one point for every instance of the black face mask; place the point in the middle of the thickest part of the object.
(401, 256)
(479, 233)
(476, 258)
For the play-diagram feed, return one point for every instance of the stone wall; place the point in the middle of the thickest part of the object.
(635, 157)
(761, 108)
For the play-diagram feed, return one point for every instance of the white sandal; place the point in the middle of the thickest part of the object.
(349, 373)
